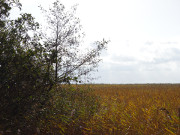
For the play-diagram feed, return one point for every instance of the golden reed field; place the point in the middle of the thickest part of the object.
(138, 109)
(149, 109)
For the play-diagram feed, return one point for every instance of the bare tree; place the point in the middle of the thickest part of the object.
(62, 40)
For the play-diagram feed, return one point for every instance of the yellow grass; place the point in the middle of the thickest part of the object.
(136, 110)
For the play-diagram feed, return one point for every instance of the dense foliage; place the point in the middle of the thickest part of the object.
(28, 78)
(24, 84)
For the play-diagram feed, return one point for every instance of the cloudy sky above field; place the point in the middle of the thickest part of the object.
(144, 35)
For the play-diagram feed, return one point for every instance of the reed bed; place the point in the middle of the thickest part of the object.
(151, 109)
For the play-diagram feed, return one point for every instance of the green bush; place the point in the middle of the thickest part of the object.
(25, 79)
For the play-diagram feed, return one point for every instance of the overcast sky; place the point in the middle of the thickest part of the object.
(144, 35)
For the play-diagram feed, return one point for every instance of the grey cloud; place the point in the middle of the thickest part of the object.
(151, 66)
(122, 58)
(127, 69)
(136, 73)
(131, 74)
(122, 68)
(170, 55)
(149, 43)
(117, 73)
(169, 42)
(113, 67)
